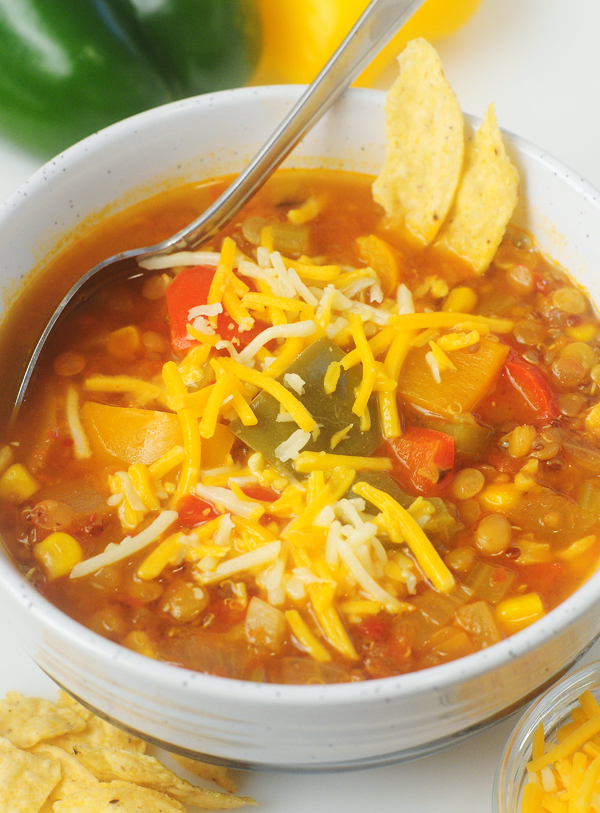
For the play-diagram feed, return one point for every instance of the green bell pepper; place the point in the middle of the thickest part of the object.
(332, 412)
(70, 67)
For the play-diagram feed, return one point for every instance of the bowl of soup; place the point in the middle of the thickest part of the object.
(215, 534)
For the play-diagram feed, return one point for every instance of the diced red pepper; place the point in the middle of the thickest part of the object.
(375, 629)
(256, 492)
(423, 460)
(189, 289)
(193, 510)
(521, 395)
(534, 389)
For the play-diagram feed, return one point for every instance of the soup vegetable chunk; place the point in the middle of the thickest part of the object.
(325, 447)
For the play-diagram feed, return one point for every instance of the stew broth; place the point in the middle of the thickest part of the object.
(476, 515)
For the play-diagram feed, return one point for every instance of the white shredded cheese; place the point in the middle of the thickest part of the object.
(246, 561)
(367, 582)
(291, 448)
(205, 310)
(404, 298)
(305, 328)
(284, 417)
(225, 499)
(180, 258)
(262, 257)
(129, 546)
(81, 446)
(295, 382)
(433, 366)
(201, 324)
(301, 288)
(223, 534)
(376, 292)
(325, 517)
(284, 283)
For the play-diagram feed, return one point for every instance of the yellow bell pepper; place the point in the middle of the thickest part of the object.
(299, 36)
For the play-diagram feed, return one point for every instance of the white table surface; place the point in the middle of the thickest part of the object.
(539, 61)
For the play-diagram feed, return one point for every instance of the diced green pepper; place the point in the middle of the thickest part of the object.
(332, 412)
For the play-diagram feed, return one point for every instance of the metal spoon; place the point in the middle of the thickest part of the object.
(373, 30)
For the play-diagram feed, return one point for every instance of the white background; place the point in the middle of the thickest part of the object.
(539, 61)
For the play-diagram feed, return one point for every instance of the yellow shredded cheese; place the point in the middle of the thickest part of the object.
(398, 519)
(308, 640)
(321, 461)
(289, 403)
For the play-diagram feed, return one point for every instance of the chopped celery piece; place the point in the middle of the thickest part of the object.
(289, 238)
(549, 514)
(489, 582)
(332, 412)
(588, 497)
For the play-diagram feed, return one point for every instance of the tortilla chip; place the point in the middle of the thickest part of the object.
(118, 797)
(67, 702)
(26, 721)
(425, 135)
(26, 780)
(204, 770)
(100, 734)
(485, 199)
(115, 764)
(74, 776)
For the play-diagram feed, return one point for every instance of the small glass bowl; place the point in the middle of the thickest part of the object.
(553, 709)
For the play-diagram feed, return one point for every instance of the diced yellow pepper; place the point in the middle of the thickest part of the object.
(129, 435)
(17, 484)
(58, 554)
(458, 390)
(383, 258)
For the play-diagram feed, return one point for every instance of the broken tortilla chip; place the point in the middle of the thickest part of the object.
(424, 156)
(204, 770)
(485, 199)
(118, 797)
(26, 780)
(115, 764)
(99, 734)
(74, 775)
(26, 721)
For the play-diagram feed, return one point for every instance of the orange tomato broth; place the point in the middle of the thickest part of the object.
(507, 469)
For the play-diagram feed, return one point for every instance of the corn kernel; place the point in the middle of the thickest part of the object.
(515, 614)
(584, 332)
(592, 422)
(17, 484)
(58, 554)
(460, 300)
(499, 497)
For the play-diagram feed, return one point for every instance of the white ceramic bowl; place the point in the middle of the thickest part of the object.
(265, 725)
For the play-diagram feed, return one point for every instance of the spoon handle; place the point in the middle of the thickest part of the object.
(374, 29)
